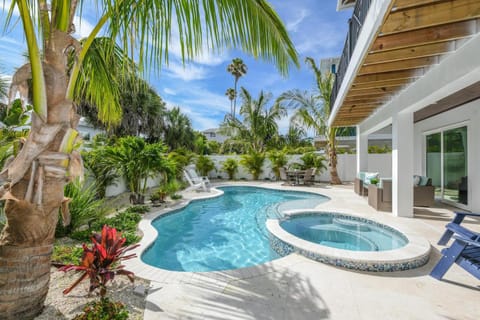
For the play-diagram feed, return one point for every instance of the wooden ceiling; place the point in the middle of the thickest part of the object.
(414, 36)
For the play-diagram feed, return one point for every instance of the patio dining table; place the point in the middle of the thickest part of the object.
(296, 176)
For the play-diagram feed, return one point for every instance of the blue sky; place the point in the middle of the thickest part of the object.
(315, 27)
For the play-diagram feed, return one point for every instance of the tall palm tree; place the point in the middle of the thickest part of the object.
(312, 110)
(34, 181)
(231, 94)
(238, 69)
(259, 125)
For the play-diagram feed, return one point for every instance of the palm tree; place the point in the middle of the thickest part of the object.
(231, 94)
(238, 69)
(312, 110)
(178, 130)
(143, 110)
(34, 181)
(259, 125)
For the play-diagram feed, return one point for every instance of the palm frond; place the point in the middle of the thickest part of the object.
(251, 25)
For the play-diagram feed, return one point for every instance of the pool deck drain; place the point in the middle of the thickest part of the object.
(295, 287)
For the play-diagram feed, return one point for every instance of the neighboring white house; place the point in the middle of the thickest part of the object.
(86, 130)
(415, 66)
(214, 135)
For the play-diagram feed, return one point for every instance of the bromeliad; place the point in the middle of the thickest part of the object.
(101, 261)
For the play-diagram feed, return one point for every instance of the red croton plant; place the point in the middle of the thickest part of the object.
(101, 262)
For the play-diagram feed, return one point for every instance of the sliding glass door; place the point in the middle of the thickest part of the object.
(446, 164)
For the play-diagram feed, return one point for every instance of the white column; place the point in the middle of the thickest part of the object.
(362, 151)
(402, 164)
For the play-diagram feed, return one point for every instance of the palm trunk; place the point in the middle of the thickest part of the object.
(34, 194)
(235, 100)
(332, 154)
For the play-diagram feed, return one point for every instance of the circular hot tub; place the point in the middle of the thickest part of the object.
(347, 241)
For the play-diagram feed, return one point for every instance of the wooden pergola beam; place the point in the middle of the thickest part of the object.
(445, 32)
(427, 50)
(433, 14)
(398, 65)
(382, 84)
(386, 76)
(374, 91)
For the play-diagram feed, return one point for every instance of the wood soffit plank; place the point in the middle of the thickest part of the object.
(430, 15)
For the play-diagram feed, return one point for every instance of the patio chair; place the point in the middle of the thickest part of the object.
(195, 180)
(309, 177)
(362, 181)
(380, 196)
(423, 192)
(284, 177)
(464, 251)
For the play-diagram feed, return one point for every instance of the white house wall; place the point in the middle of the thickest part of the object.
(469, 115)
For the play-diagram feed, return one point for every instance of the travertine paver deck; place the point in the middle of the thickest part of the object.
(295, 287)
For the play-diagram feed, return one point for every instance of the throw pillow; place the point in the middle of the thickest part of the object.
(369, 176)
(416, 180)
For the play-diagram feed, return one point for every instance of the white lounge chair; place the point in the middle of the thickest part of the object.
(195, 181)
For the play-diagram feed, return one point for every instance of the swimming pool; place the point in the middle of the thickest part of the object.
(344, 232)
(222, 233)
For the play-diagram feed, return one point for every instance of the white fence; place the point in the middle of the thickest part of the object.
(346, 168)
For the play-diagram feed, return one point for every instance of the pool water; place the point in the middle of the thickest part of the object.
(222, 233)
(344, 232)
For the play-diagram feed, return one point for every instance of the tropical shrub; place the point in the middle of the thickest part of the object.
(84, 208)
(126, 222)
(138, 209)
(137, 161)
(103, 309)
(278, 159)
(230, 166)
(10, 136)
(379, 149)
(66, 254)
(172, 187)
(100, 262)
(312, 160)
(253, 162)
(100, 169)
(181, 157)
(204, 165)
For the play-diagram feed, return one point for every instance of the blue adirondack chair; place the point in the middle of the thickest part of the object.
(464, 251)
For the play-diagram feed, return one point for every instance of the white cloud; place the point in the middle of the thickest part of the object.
(169, 91)
(6, 6)
(293, 25)
(186, 73)
(83, 28)
(11, 54)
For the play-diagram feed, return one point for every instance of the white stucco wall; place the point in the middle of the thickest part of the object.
(466, 115)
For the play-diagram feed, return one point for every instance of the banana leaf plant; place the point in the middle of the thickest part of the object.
(101, 262)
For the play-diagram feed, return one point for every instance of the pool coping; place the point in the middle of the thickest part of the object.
(413, 255)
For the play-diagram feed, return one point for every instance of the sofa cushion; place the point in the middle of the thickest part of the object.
(423, 181)
(361, 175)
